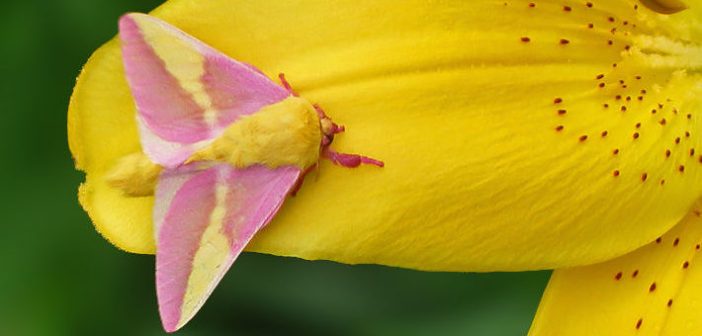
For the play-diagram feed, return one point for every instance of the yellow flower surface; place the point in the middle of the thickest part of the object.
(516, 134)
(652, 291)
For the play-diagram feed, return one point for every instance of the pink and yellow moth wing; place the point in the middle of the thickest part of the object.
(204, 219)
(186, 92)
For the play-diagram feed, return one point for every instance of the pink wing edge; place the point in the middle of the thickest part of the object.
(185, 198)
(171, 125)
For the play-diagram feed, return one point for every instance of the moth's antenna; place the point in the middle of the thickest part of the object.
(287, 85)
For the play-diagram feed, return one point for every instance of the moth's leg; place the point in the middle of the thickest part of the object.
(298, 183)
(287, 85)
(350, 160)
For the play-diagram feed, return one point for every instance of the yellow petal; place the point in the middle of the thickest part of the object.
(498, 139)
(651, 291)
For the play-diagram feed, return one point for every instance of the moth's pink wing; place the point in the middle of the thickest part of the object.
(203, 220)
(186, 92)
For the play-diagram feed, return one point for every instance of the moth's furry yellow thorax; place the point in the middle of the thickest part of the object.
(281, 134)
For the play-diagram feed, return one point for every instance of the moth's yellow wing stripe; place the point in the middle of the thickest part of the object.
(211, 260)
(182, 59)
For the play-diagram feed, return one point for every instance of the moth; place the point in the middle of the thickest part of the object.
(223, 147)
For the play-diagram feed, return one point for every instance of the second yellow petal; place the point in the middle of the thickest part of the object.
(652, 291)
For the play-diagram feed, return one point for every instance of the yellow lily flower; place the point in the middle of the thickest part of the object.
(516, 134)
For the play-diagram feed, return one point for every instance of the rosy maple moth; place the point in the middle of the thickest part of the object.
(223, 148)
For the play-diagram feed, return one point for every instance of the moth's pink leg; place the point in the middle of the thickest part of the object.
(287, 85)
(298, 183)
(350, 160)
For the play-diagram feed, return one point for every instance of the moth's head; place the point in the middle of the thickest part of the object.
(328, 127)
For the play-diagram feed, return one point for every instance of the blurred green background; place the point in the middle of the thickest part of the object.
(59, 277)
